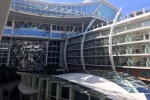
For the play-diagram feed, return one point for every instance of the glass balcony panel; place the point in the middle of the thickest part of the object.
(139, 64)
(138, 51)
(132, 26)
(146, 23)
(7, 31)
(31, 32)
(136, 38)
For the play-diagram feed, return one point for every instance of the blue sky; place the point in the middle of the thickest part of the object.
(128, 5)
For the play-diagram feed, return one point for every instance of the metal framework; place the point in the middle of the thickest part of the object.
(28, 55)
(42, 8)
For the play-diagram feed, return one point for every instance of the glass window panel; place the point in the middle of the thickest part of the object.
(64, 10)
(89, 9)
(94, 7)
(54, 27)
(53, 89)
(74, 8)
(65, 92)
(67, 28)
(106, 12)
(69, 7)
(58, 28)
(84, 8)
(79, 8)
(62, 28)
(9, 23)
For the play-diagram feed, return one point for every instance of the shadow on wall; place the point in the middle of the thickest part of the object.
(14, 95)
(52, 70)
(8, 74)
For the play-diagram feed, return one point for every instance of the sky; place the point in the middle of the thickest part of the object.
(128, 5)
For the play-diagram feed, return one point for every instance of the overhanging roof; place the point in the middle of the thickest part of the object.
(74, 21)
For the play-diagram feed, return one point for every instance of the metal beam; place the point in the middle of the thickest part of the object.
(4, 9)
(110, 40)
(82, 44)
(65, 60)
(89, 26)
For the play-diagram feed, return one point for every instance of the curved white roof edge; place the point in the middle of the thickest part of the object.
(65, 17)
(87, 1)
(58, 3)
(80, 16)
(99, 84)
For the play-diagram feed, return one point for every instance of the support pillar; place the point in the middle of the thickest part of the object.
(65, 60)
(46, 53)
(82, 44)
(48, 90)
(82, 27)
(82, 53)
(89, 97)
(10, 43)
(58, 92)
(39, 89)
(71, 94)
(33, 82)
(4, 9)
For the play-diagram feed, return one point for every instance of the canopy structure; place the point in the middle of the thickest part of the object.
(101, 85)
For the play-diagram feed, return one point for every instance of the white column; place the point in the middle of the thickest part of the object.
(82, 27)
(82, 44)
(89, 97)
(71, 93)
(58, 92)
(4, 9)
(110, 40)
(46, 52)
(65, 60)
(48, 89)
(33, 82)
(81, 52)
(39, 89)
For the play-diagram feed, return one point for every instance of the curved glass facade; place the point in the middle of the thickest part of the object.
(50, 9)
(106, 12)
(48, 30)
(36, 29)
